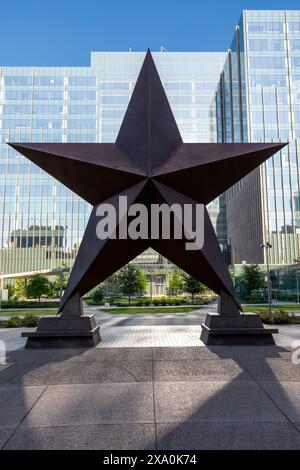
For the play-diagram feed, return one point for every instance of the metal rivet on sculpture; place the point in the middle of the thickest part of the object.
(148, 163)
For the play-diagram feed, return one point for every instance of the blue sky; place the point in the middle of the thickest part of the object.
(63, 32)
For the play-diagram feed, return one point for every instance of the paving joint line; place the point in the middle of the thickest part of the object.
(24, 417)
(265, 391)
(153, 395)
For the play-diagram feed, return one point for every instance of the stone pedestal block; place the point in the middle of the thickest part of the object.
(71, 329)
(61, 332)
(242, 329)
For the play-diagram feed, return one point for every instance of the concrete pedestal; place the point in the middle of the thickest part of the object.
(231, 327)
(242, 329)
(60, 332)
(71, 329)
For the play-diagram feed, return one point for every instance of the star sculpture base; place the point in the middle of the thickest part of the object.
(229, 327)
(71, 329)
(243, 330)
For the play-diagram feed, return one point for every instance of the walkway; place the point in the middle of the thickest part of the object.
(151, 330)
(150, 397)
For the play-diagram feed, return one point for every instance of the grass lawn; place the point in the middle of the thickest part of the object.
(19, 313)
(145, 310)
(285, 308)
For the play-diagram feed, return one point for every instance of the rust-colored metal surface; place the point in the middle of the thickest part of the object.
(148, 163)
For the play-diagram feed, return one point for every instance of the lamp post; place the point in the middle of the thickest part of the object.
(267, 246)
(151, 292)
(297, 262)
(1, 290)
(61, 274)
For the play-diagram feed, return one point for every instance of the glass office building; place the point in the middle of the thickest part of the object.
(250, 94)
(259, 101)
(41, 221)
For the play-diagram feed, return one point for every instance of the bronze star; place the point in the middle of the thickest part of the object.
(148, 163)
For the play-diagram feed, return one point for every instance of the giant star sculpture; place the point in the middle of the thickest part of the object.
(148, 163)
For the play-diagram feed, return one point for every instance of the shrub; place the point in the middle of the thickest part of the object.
(27, 304)
(287, 297)
(30, 320)
(276, 318)
(90, 302)
(18, 290)
(14, 322)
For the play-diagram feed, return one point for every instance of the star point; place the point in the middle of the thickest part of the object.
(148, 163)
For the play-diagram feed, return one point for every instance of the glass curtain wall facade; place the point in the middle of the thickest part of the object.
(41, 221)
(259, 101)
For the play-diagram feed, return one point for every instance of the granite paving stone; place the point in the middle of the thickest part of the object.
(5, 434)
(78, 373)
(195, 370)
(272, 370)
(87, 437)
(227, 436)
(200, 353)
(15, 403)
(93, 404)
(286, 395)
(214, 402)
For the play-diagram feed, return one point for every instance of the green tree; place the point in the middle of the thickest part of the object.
(37, 286)
(98, 294)
(142, 281)
(132, 281)
(111, 286)
(252, 278)
(193, 286)
(176, 282)
(19, 289)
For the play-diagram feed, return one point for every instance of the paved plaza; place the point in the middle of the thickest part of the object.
(150, 384)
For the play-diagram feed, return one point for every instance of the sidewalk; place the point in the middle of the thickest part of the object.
(130, 392)
(150, 398)
(151, 330)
